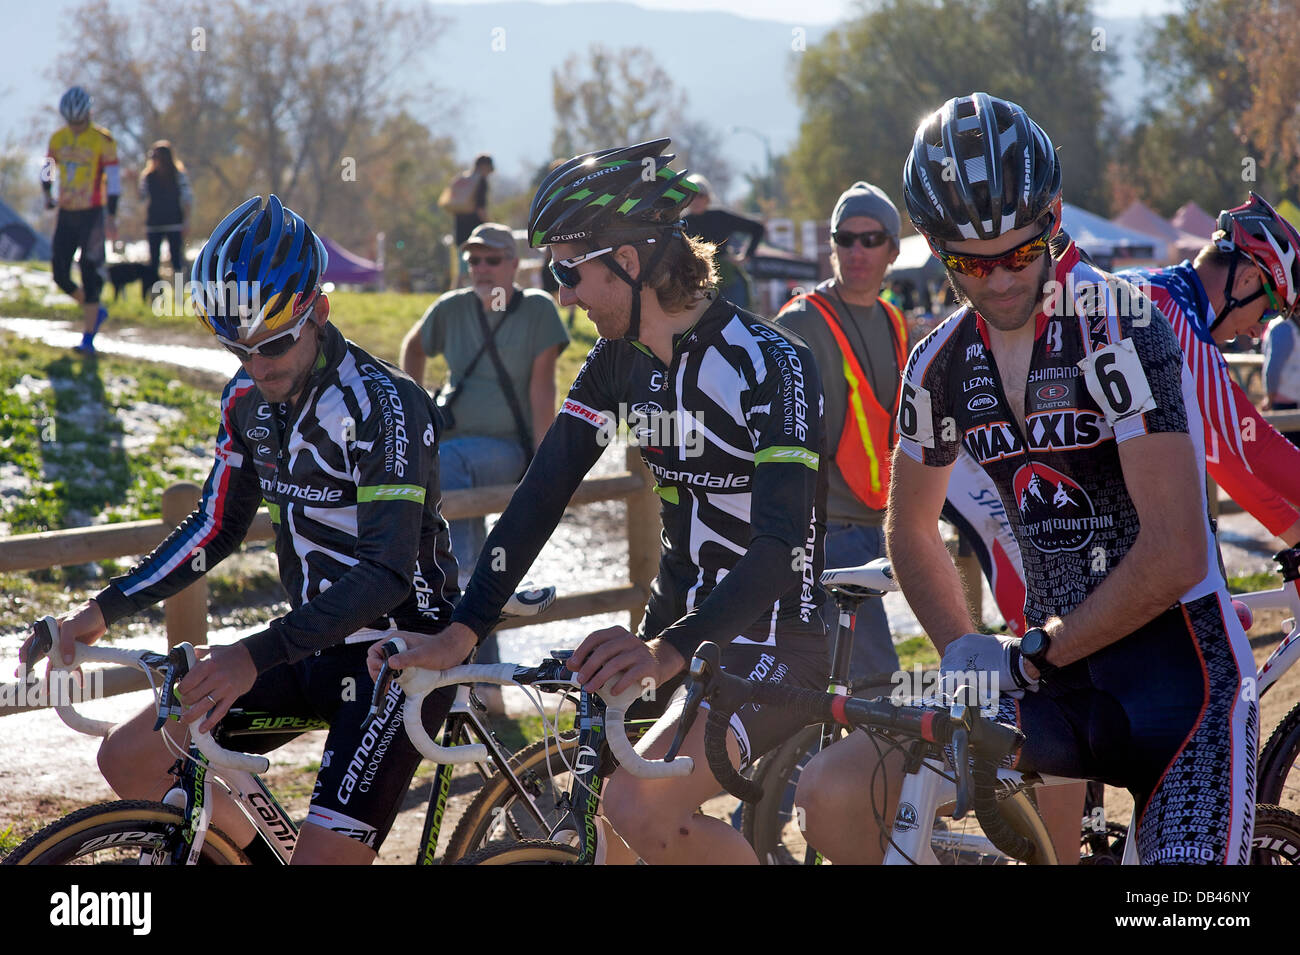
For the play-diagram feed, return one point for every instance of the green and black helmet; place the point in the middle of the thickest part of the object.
(624, 192)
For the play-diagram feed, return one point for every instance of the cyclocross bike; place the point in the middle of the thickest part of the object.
(157, 832)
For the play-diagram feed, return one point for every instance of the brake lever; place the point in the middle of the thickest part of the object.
(169, 699)
(44, 631)
(704, 665)
(386, 674)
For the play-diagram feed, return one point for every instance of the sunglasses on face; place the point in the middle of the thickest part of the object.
(566, 270)
(273, 347)
(982, 266)
(491, 260)
(870, 240)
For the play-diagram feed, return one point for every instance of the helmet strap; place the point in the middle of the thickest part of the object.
(1229, 303)
(638, 283)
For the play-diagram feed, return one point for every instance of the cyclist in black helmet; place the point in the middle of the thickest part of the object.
(726, 409)
(1069, 389)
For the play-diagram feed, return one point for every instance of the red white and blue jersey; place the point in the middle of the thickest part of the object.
(1246, 456)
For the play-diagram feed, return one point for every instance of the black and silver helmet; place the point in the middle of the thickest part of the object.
(979, 167)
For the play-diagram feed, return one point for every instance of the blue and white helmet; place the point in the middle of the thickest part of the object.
(259, 270)
(75, 104)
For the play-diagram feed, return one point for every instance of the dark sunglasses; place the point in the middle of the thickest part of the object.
(982, 266)
(870, 240)
(492, 260)
(566, 270)
(273, 347)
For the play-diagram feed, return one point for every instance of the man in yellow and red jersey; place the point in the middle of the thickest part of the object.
(85, 156)
(860, 341)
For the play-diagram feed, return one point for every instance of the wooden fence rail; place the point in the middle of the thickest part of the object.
(186, 613)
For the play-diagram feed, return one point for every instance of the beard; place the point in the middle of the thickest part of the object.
(1012, 314)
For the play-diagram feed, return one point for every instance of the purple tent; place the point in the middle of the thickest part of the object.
(348, 268)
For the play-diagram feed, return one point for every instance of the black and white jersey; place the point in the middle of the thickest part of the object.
(350, 477)
(731, 429)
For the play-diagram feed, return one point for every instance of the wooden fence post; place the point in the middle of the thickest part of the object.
(643, 530)
(186, 613)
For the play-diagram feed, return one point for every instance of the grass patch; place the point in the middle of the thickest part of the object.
(916, 651)
(1263, 580)
(61, 426)
(9, 840)
(377, 321)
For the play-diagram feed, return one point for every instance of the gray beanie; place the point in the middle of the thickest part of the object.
(864, 199)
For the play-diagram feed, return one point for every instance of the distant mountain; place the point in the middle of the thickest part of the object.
(494, 63)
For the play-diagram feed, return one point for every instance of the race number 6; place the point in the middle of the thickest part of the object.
(1117, 382)
(915, 417)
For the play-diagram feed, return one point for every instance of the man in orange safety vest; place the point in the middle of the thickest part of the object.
(860, 342)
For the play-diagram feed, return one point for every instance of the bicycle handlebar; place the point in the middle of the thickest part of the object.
(417, 683)
(990, 741)
(145, 660)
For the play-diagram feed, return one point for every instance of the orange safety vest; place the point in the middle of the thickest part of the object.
(868, 435)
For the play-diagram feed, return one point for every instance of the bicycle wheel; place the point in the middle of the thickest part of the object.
(527, 852)
(118, 833)
(771, 824)
(962, 841)
(498, 813)
(1278, 781)
(1277, 837)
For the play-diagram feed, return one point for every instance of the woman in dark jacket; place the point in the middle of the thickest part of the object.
(165, 187)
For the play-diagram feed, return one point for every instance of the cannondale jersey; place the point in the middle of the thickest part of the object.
(731, 432)
(1100, 373)
(350, 477)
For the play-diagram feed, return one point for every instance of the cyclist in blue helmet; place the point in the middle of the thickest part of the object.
(343, 448)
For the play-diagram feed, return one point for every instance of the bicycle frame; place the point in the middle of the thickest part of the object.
(926, 789)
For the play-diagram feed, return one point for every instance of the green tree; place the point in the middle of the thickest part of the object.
(617, 97)
(1194, 140)
(866, 86)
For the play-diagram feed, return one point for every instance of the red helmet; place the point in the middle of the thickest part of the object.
(1271, 243)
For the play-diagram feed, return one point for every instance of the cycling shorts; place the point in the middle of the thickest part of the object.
(365, 768)
(1162, 713)
(758, 729)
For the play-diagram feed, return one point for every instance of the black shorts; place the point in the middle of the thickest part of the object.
(758, 729)
(1163, 713)
(365, 769)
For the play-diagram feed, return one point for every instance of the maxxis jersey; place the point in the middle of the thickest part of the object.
(350, 477)
(731, 429)
(1161, 710)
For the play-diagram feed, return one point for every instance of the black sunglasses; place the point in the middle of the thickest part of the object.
(870, 240)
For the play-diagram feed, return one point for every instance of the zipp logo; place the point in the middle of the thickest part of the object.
(264, 450)
(258, 434)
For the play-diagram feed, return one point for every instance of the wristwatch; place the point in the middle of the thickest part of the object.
(1034, 646)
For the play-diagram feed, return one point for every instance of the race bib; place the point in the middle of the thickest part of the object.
(915, 416)
(1117, 381)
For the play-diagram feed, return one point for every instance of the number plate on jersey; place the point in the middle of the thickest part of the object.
(1117, 382)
